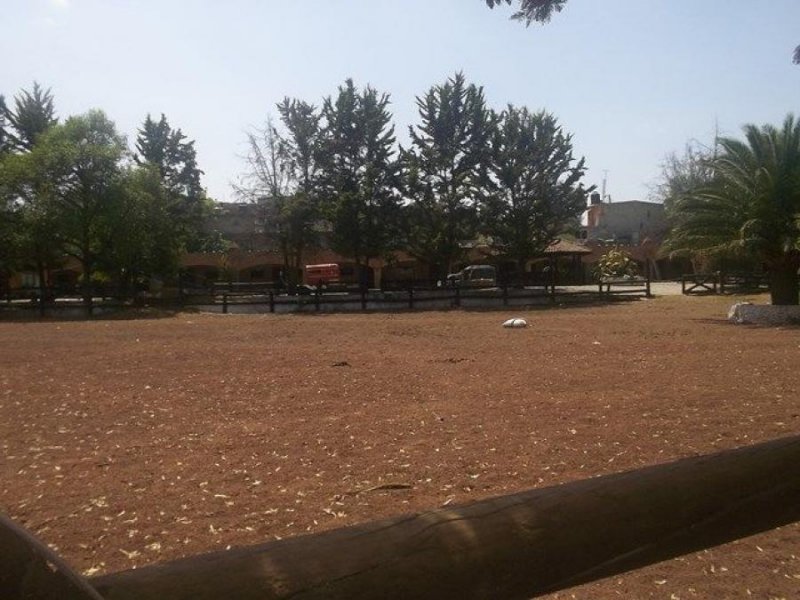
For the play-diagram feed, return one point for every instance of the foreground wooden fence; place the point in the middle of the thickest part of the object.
(511, 547)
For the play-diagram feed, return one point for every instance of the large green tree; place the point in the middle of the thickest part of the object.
(138, 235)
(27, 230)
(358, 182)
(174, 157)
(8, 226)
(447, 171)
(33, 113)
(751, 205)
(76, 167)
(537, 188)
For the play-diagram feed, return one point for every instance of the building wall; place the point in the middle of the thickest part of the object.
(626, 222)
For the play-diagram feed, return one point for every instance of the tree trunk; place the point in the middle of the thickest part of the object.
(784, 284)
(87, 286)
(522, 276)
(43, 285)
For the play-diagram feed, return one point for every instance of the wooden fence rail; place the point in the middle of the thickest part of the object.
(412, 297)
(227, 296)
(719, 282)
(510, 547)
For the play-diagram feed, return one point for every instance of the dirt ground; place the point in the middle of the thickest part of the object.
(129, 442)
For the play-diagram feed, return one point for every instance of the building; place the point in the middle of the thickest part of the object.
(625, 223)
(636, 227)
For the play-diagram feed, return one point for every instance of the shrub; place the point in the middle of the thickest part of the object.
(615, 264)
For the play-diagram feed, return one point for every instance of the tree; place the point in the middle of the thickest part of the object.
(359, 177)
(682, 173)
(76, 168)
(751, 205)
(281, 169)
(140, 238)
(530, 11)
(537, 184)
(175, 159)
(28, 227)
(33, 114)
(4, 139)
(27, 230)
(9, 226)
(447, 170)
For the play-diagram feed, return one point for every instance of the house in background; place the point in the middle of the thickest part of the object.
(636, 227)
(625, 223)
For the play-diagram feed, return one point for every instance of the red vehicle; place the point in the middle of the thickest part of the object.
(322, 274)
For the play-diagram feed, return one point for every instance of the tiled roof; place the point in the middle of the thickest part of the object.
(566, 247)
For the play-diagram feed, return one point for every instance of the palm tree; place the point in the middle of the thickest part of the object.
(751, 206)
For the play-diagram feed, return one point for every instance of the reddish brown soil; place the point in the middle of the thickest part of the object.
(128, 442)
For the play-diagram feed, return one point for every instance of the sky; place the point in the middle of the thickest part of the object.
(631, 80)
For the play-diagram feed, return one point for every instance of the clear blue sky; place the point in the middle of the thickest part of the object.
(631, 79)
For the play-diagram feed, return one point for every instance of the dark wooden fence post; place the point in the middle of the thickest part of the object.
(411, 298)
(31, 569)
(363, 298)
(647, 285)
(271, 302)
(225, 303)
(317, 294)
(505, 293)
(515, 547)
(458, 296)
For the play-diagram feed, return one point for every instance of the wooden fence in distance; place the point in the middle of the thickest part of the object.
(718, 282)
(417, 297)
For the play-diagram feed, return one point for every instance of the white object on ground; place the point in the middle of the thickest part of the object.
(767, 314)
(515, 323)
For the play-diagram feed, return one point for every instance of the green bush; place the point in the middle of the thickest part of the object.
(615, 264)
